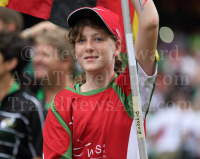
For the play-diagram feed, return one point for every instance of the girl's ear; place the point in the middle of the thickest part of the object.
(118, 48)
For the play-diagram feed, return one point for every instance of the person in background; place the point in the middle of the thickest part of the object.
(10, 20)
(53, 64)
(21, 114)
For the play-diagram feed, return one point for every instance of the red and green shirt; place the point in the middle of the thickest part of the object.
(98, 123)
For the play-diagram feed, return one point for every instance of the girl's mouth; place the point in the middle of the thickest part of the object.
(91, 58)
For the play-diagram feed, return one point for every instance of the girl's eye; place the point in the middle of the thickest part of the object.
(80, 40)
(98, 39)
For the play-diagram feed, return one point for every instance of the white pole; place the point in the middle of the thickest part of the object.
(134, 81)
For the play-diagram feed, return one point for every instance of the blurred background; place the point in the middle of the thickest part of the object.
(173, 122)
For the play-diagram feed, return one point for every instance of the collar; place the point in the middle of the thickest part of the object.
(95, 91)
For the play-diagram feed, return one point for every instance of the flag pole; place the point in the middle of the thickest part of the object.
(134, 81)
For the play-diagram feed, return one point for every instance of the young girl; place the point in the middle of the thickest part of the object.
(94, 119)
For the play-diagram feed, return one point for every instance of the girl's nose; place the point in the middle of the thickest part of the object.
(89, 46)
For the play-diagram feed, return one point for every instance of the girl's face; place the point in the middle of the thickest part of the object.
(96, 51)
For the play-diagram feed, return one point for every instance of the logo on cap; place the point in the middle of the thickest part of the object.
(118, 33)
(99, 9)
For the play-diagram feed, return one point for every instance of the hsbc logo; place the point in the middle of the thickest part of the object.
(98, 150)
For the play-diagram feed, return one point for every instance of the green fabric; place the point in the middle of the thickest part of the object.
(71, 89)
(40, 94)
(88, 93)
(13, 89)
(124, 58)
(47, 105)
(28, 69)
(95, 91)
(126, 101)
(68, 153)
(40, 97)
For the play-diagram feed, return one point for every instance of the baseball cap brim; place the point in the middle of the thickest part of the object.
(79, 14)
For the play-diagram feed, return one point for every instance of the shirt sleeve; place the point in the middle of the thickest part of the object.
(57, 133)
(146, 88)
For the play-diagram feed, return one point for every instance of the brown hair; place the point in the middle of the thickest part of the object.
(96, 23)
(10, 16)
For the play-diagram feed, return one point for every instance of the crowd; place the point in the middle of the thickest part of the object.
(173, 124)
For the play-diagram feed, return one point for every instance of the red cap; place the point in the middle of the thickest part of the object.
(110, 19)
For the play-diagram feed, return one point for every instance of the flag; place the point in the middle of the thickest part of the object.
(37, 8)
(55, 11)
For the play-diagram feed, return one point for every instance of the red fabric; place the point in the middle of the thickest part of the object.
(125, 82)
(115, 6)
(101, 124)
(56, 139)
(37, 8)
